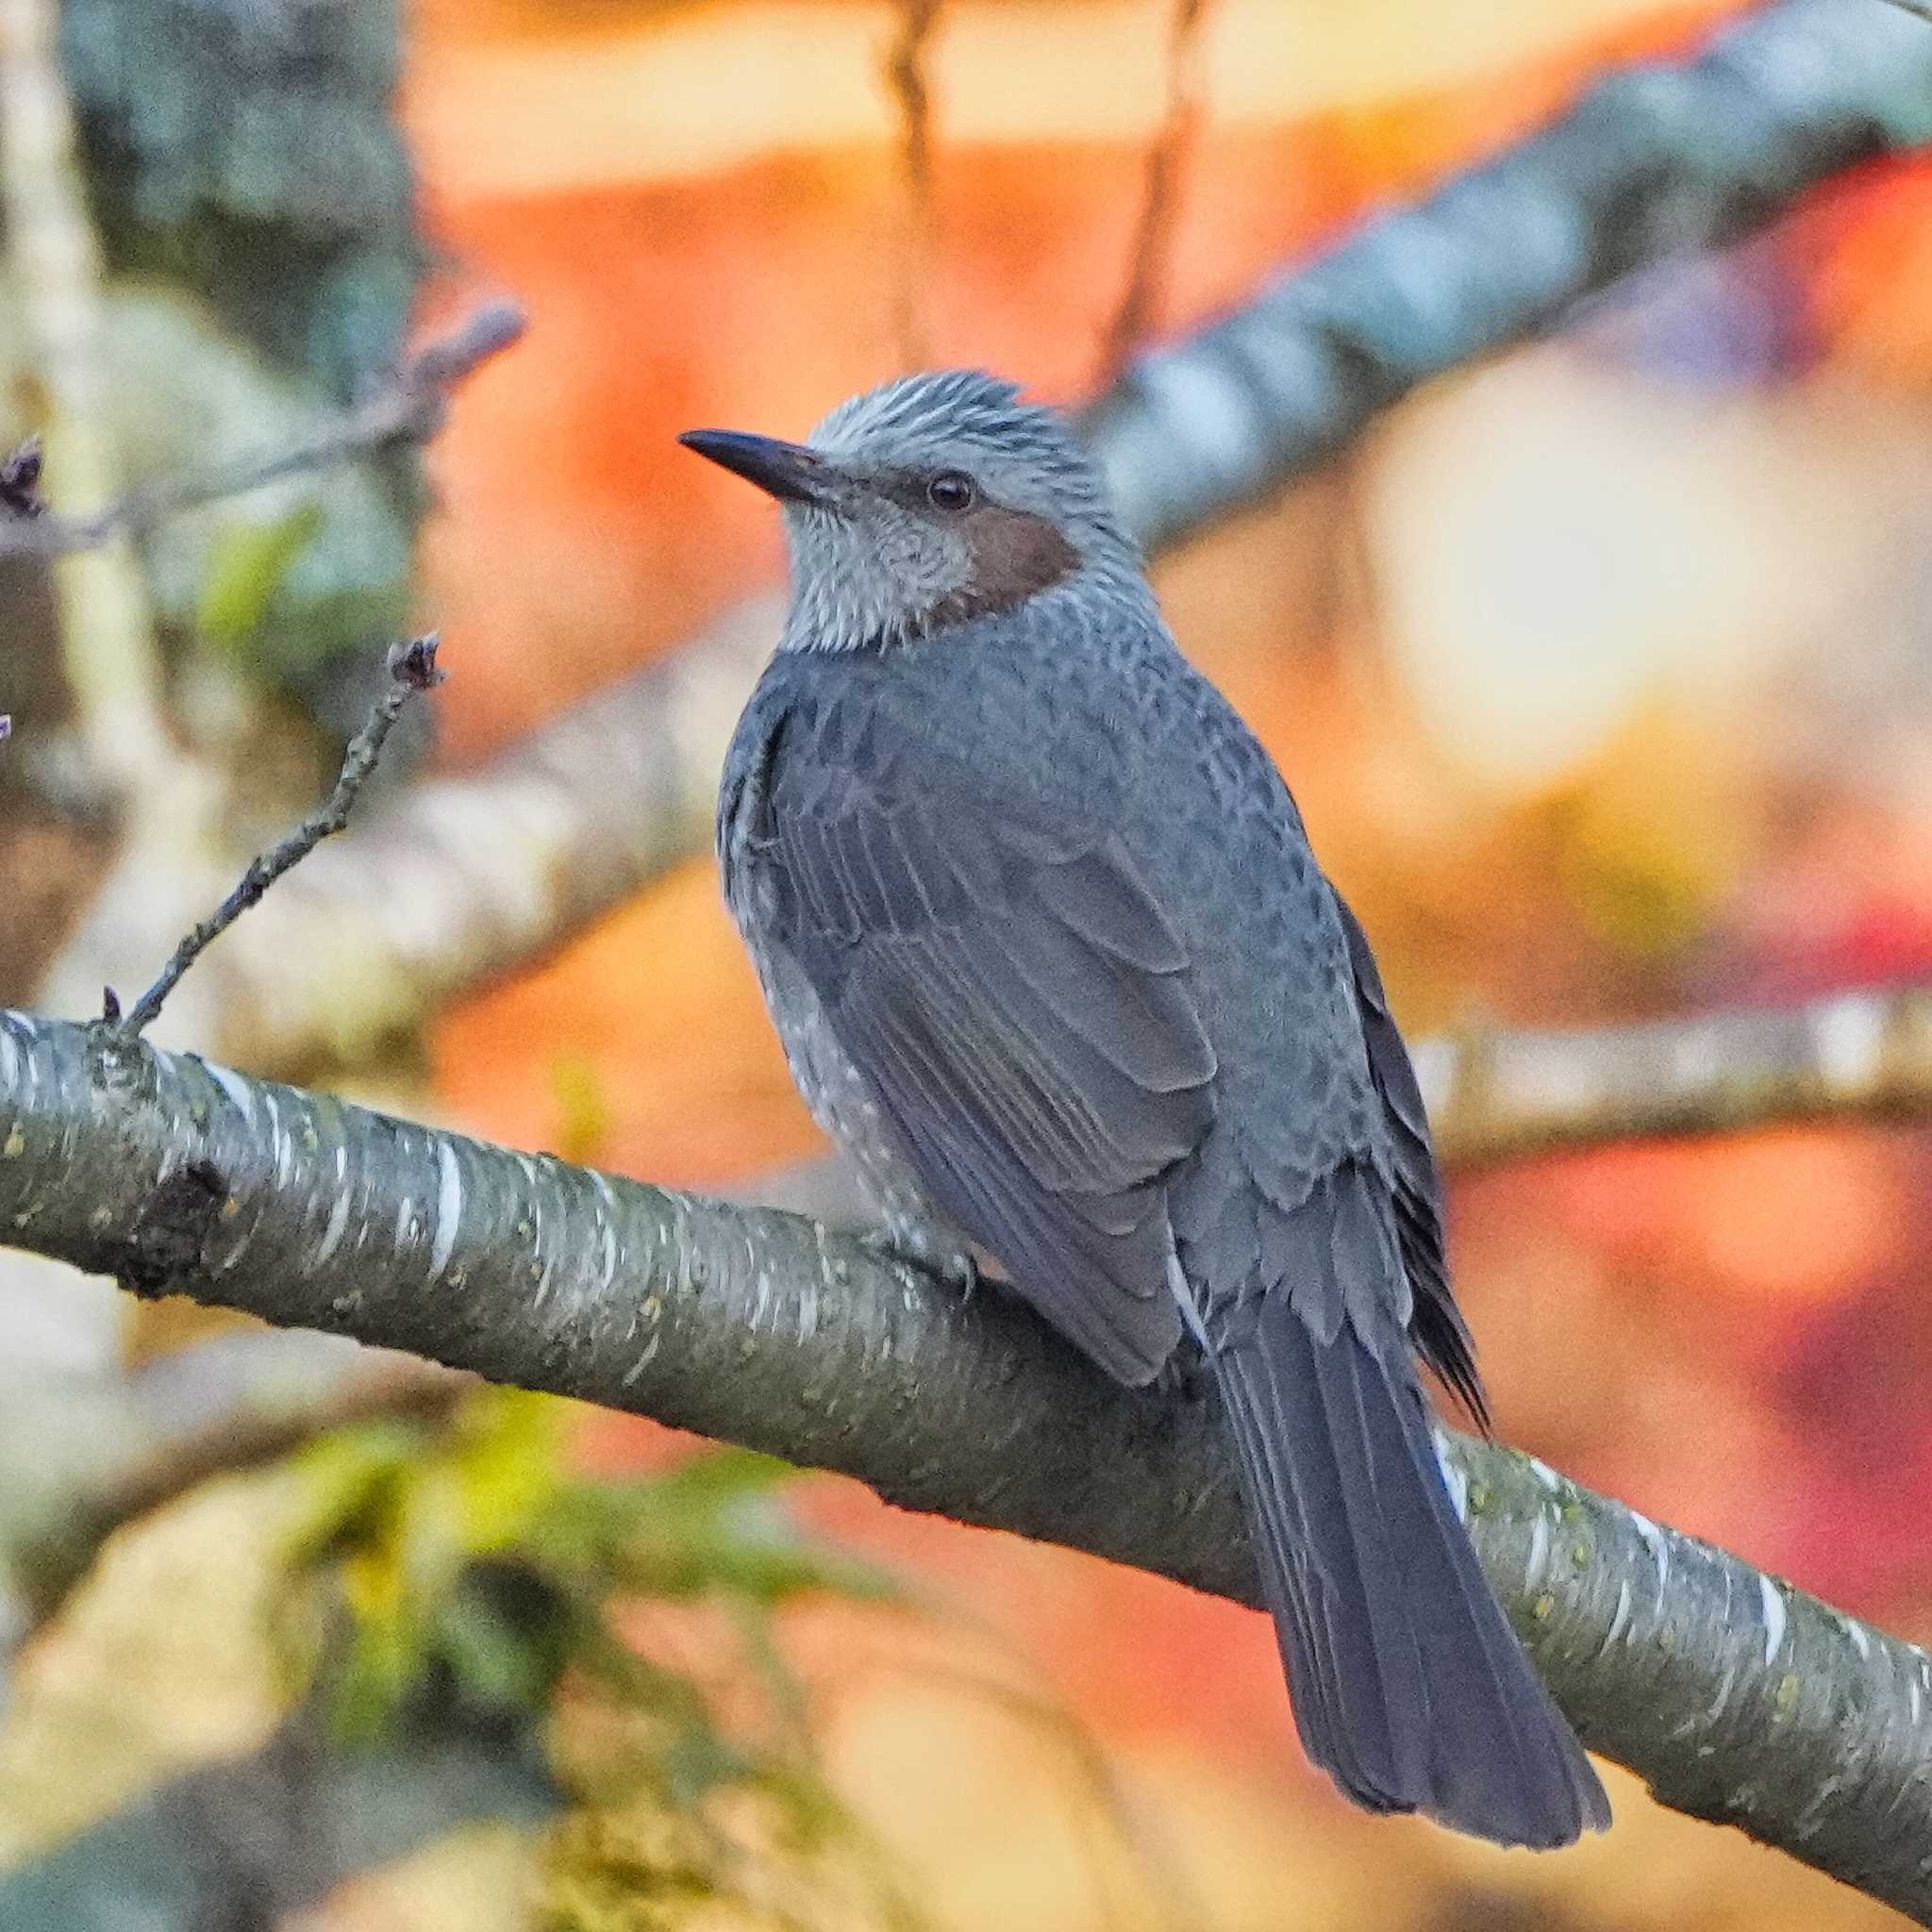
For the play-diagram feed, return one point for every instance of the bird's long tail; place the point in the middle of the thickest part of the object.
(1409, 1687)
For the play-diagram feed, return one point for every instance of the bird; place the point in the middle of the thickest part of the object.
(1040, 926)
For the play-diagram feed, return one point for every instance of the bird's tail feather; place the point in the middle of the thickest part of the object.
(1409, 1687)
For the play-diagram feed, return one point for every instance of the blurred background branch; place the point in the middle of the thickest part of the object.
(1151, 254)
(255, 1840)
(408, 406)
(905, 75)
(1496, 1095)
(269, 1416)
(1651, 163)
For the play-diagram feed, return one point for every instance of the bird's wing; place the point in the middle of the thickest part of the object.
(1020, 1008)
(1437, 1327)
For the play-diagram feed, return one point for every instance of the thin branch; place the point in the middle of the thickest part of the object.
(412, 669)
(1653, 162)
(905, 75)
(1151, 248)
(1923, 9)
(442, 883)
(1738, 1697)
(409, 407)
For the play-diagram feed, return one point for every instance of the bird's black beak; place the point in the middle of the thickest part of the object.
(788, 470)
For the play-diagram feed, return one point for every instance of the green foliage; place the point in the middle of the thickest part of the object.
(388, 1573)
(717, 1523)
(247, 562)
(474, 1563)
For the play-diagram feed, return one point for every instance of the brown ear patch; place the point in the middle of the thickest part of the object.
(1015, 555)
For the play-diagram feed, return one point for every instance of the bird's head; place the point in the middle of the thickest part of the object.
(926, 504)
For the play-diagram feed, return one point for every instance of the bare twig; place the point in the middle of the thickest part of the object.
(906, 75)
(1153, 243)
(1921, 8)
(413, 669)
(486, 864)
(409, 407)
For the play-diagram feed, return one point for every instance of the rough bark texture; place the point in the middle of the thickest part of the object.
(1652, 162)
(1739, 1698)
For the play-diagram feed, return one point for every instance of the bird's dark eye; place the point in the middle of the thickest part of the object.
(949, 491)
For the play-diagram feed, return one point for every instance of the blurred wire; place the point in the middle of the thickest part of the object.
(905, 73)
(1151, 248)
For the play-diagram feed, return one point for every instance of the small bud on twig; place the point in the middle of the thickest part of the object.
(20, 481)
(413, 664)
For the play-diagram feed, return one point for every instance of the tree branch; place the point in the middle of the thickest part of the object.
(1152, 247)
(906, 75)
(1502, 1096)
(1652, 162)
(460, 877)
(409, 407)
(1737, 1697)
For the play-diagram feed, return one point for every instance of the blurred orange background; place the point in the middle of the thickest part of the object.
(1595, 673)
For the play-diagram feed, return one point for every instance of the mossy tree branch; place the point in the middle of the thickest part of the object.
(1737, 1697)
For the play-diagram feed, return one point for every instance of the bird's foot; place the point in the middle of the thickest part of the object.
(930, 1251)
(1187, 1374)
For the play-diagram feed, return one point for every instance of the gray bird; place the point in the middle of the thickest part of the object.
(1051, 956)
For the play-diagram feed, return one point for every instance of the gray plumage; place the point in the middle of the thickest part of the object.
(1051, 955)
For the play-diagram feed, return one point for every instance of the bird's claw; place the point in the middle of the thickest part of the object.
(953, 1266)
